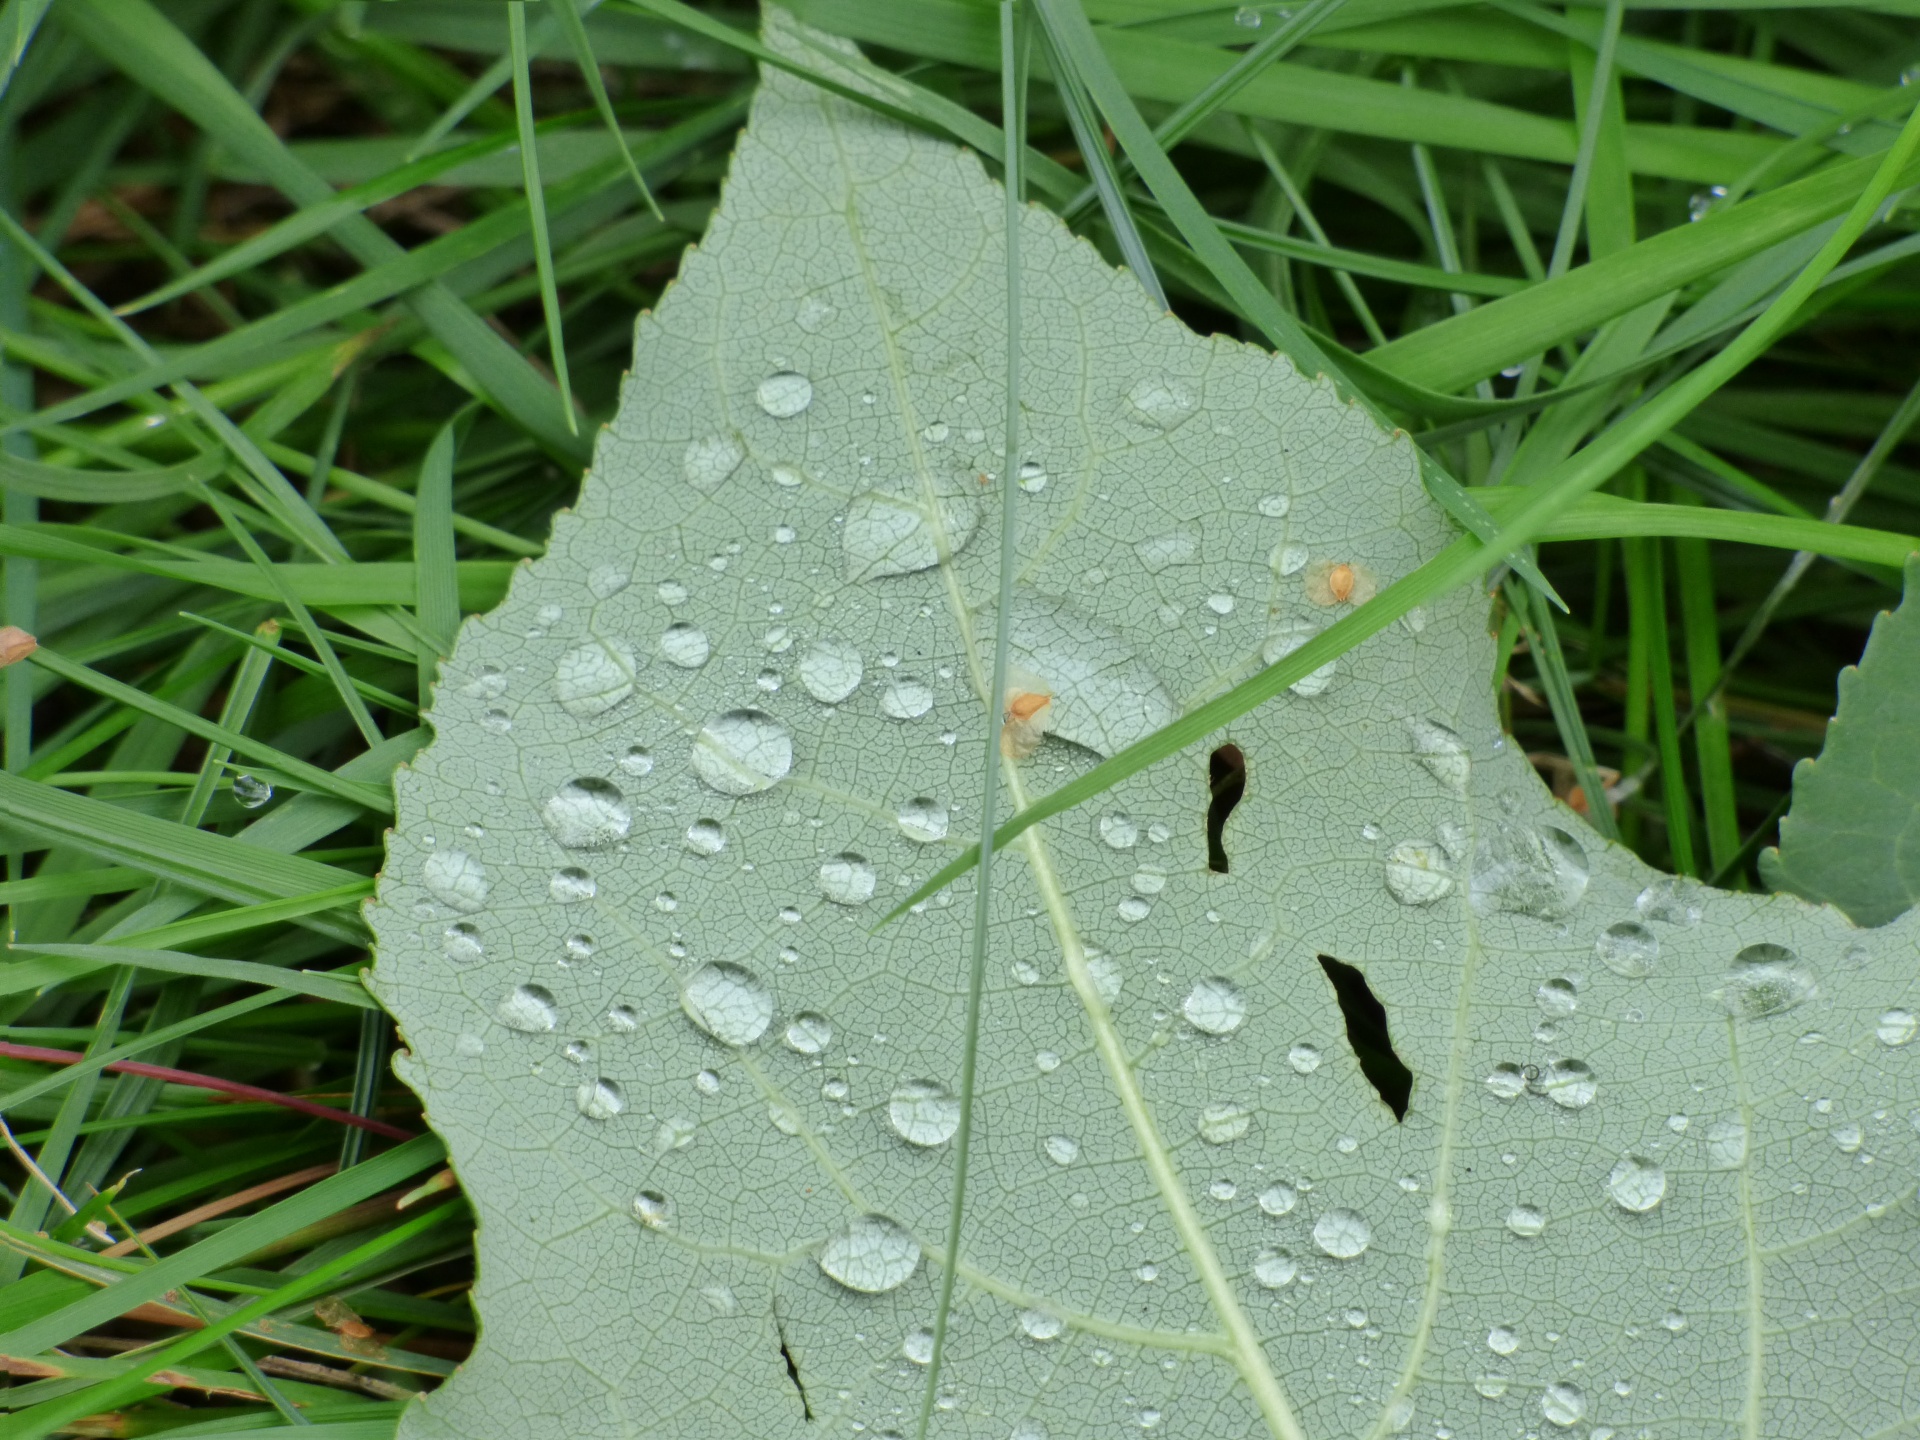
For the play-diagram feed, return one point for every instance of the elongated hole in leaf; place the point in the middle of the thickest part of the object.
(1226, 783)
(1366, 1021)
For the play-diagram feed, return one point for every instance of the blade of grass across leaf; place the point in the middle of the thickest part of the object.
(1466, 558)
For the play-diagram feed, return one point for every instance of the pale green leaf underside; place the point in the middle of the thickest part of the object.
(1771, 1290)
(1852, 837)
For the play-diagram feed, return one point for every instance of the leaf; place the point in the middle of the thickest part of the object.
(1852, 837)
(703, 1105)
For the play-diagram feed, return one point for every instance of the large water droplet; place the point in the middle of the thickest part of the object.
(728, 1002)
(455, 879)
(1673, 900)
(1765, 980)
(887, 534)
(1628, 949)
(809, 1032)
(1570, 1084)
(1637, 1184)
(1442, 753)
(1526, 1221)
(847, 879)
(1224, 1122)
(602, 1100)
(1343, 1234)
(871, 1254)
(587, 814)
(1279, 1199)
(924, 1112)
(712, 458)
(784, 394)
(1417, 873)
(1563, 1404)
(593, 678)
(742, 752)
(528, 1008)
(1104, 696)
(1275, 1269)
(1119, 831)
(1162, 402)
(923, 819)
(1896, 1027)
(906, 698)
(1539, 872)
(685, 645)
(1215, 1006)
(1038, 1325)
(831, 671)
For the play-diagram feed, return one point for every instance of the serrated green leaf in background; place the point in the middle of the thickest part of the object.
(1852, 837)
(702, 1106)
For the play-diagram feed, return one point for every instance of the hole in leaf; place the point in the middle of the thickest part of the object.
(1226, 783)
(1366, 1021)
(793, 1370)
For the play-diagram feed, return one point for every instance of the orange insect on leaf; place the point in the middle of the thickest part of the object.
(1339, 582)
(1025, 722)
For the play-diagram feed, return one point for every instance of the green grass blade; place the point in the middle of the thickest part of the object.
(1647, 599)
(105, 487)
(438, 605)
(537, 206)
(18, 22)
(245, 972)
(567, 12)
(1713, 749)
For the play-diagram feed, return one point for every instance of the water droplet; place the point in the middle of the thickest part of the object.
(1046, 1062)
(1557, 998)
(1247, 18)
(671, 592)
(593, 678)
(1507, 1081)
(461, 943)
(456, 879)
(1502, 1341)
(1223, 1190)
(1490, 1386)
(571, 886)
(1033, 477)
(706, 837)
(1570, 1084)
(528, 1008)
(728, 1002)
(871, 1254)
(1133, 909)
(712, 458)
(1220, 603)
(576, 948)
(1441, 753)
(1215, 1006)
(924, 1112)
(1726, 1144)
(1279, 1199)
(1148, 880)
(809, 1032)
(1275, 1269)
(1062, 1149)
(1417, 873)
(831, 671)
(1637, 1184)
(1539, 872)
(1343, 1234)
(1847, 1137)
(1896, 1027)
(489, 682)
(1628, 949)
(1162, 402)
(1106, 977)
(847, 879)
(917, 1347)
(1038, 1325)
(906, 698)
(813, 313)
(742, 752)
(685, 645)
(606, 581)
(1700, 204)
(1119, 831)
(1224, 1123)
(652, 1209)
(1161, 552)
(1288, 635)
(602, 1100)
(1765, 980)
(1275, 506)
(587, 814)
(784, 394)
(1673, 900)
(250, 792)
(1304, 1058)
(1563, 1404)
(923, 819)
(636, 761)
(887, 534)
(1526, 1221)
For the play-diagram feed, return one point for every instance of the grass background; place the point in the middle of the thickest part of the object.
(291, 292)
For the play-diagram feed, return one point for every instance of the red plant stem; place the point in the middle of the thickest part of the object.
(11, 1051)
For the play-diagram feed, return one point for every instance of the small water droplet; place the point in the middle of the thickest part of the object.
(1038, 1325)
(601, 1100)
(1441, 753)
(706, 837)
(250, 792)
(1628, 949)
(1343, 1234)
(1119, 831)
(575, 948)
(1765, 980)
(1046, 1062)
(1062, 1149)
(1417, 873)
(1563, 1404)
(1275, 1269)
(593, 678)
(1507, 1081)
(1502, 1341)
(1557, 998)
(906, 698)
(871, 1254)
(742, 752)
(623, 1018)
(1223, 1190)
(1526, 1221)
(712, 458)
(1570, 1084)
(1303, 1058)
(847, 879)
(652, 1209)
(1133, 909)
(1223, 1123)
(1275, 506)
(587, 814)
(813, 313)
(917, 1347)
(1149, 880)
(1162, 402)
(461, 943)
(1247, 18)
(1701, 203)
(1726, 1144)
(924, 1112)
(809, 1033)
(637, 760)
(1847, 1137)
(1896, 1027)
(831, 671)
(923, 819)
(784, 394)
(606, 581)
(1033, 477)
(1490, 1386)
(728, 1002)
(685, 645)
(456, 879)
(529, 1009)
(1220, 603)
(1106, 976)
(1279, 1199)
(1637, 1184)
(1215, 1006)
(571, 886)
